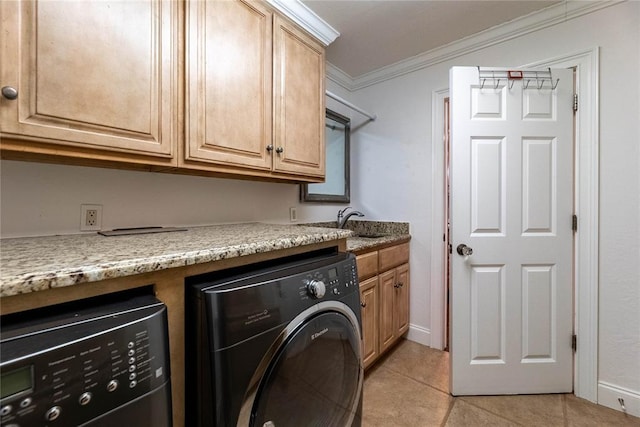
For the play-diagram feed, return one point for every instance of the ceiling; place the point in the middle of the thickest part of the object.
(377, 33)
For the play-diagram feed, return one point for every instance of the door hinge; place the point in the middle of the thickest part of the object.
(574, 342)
(574, 223)
(575, 102)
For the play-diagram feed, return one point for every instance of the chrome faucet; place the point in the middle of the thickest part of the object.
(342, 218)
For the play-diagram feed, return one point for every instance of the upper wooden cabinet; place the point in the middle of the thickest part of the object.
(298, 101)
(255, 92)
(94, 79)
(229, 75)
(202, 87)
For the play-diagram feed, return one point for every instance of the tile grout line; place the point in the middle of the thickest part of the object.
(419, 381)
(446, 416)
(453, 399)
(491, 412)
(564, 410)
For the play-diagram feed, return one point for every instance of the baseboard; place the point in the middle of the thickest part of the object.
(608, 395)
(419, 334)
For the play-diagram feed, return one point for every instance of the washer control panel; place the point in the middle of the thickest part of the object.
(315, 288)
(247, 303)
(334, 280)
(68, 374)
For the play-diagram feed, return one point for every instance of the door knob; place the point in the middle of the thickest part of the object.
(9, 92)
(464, 250)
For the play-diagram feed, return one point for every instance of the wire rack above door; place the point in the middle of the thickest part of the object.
(531, 79)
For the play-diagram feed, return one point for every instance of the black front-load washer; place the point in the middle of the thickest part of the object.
(275, 345)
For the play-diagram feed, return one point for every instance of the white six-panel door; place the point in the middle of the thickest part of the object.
(512, 204)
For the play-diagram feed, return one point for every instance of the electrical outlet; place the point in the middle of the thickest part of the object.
(90, 217)
(293, 214)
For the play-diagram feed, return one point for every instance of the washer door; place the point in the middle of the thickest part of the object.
(316, 377)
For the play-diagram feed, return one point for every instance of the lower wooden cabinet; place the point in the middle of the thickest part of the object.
(370, 310)
(394, 307)
(384, 295)
(402, 299)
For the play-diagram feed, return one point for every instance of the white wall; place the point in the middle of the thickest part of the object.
(43, 199)
(392, 163)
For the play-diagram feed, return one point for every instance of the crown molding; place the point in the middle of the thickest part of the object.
(339, 77)
(516, 28)
(307, 19)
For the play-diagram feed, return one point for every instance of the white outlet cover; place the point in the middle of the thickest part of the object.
(83, 217)
(293, 214)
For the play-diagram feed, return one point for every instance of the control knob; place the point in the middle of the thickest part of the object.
(316, 288)
(112, 386)
(85, 398)
(53, 413)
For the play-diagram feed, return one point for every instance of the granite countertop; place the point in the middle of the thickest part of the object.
(369, 235)
(358, 244)
(38, 263)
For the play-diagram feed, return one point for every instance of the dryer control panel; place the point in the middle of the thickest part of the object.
(64, 369)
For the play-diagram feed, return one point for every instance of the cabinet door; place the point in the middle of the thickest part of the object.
(369, 312)
(402, 299)
(387, 309)
(298, 102)
(90, 75)
(229, 83)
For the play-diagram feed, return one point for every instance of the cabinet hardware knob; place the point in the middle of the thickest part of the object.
(279, 150)
(363, 304)
(9, 92)
(269, 148)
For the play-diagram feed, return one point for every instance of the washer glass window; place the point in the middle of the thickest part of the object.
(314, 378)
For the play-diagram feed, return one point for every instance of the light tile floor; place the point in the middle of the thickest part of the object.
(410, 387)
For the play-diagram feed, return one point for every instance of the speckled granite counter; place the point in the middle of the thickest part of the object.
(368, 234)
(358, 245)
(40, 263)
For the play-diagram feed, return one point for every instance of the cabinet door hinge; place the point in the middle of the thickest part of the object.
(574, 223)
(575, 102)
(574, 342)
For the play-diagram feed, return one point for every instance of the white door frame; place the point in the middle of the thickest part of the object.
(586, 196)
